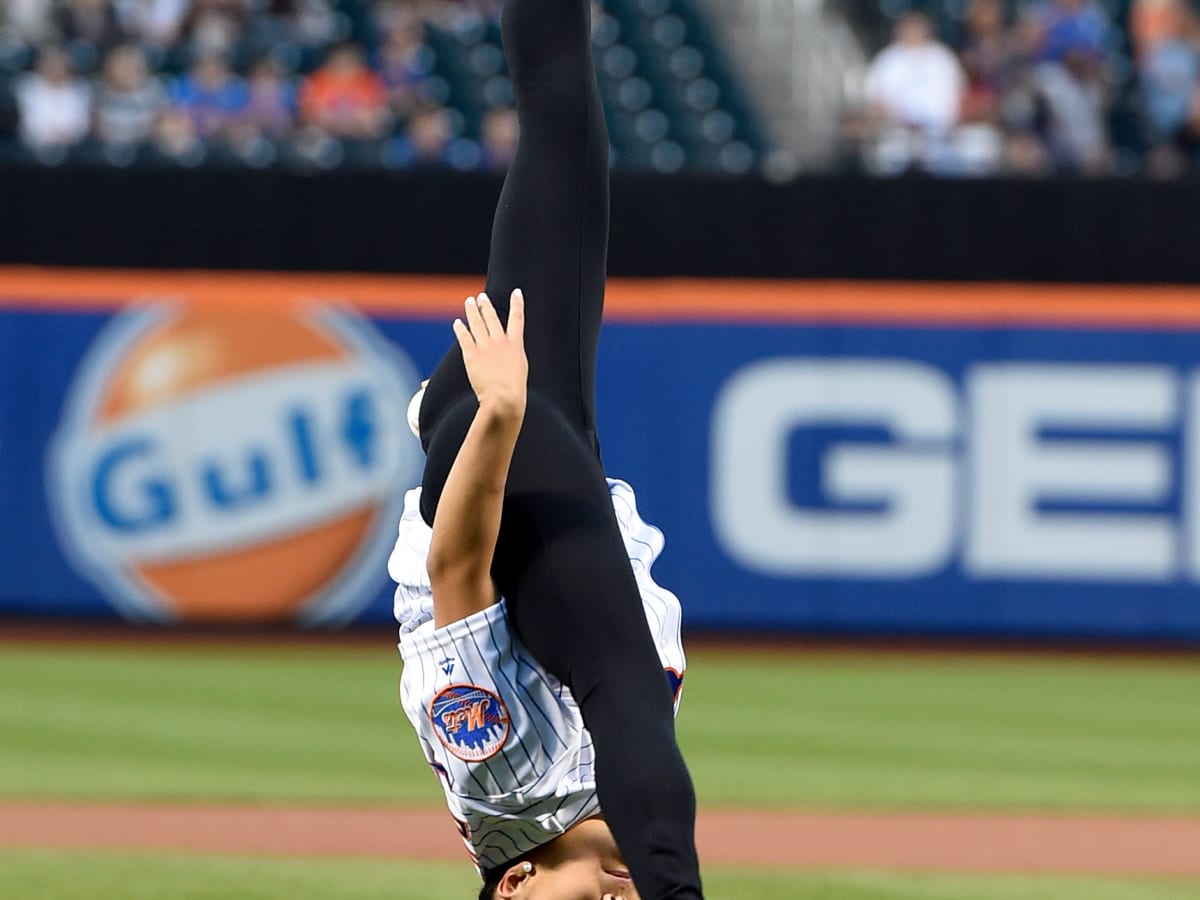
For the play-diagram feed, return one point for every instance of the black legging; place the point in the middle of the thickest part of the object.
(560, 561)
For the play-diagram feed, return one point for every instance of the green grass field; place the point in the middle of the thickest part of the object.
(322, 725)
(132, 876)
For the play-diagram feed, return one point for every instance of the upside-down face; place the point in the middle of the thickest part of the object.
(583, 864)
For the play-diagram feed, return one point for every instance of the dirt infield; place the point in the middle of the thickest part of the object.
(904, 841)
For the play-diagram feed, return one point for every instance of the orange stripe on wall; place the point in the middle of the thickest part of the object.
(666, 300)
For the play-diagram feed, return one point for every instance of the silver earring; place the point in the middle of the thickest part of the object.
(527, 867)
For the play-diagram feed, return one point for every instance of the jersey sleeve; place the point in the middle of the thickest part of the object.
(644, 544)
(492, 722)
(413, 606)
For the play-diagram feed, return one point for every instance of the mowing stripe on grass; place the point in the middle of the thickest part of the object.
(40, 875)
(318, 725)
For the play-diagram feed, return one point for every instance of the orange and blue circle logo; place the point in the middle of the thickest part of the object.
(235, 464)
(470, 721)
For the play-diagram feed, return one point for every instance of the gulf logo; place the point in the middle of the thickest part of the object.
(235, 464)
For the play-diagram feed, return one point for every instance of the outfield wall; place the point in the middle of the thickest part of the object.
(1069, 230)
(838, 457)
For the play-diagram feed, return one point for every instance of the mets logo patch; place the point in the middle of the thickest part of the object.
(471, 722)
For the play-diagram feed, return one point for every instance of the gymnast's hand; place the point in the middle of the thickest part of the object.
(495, 359)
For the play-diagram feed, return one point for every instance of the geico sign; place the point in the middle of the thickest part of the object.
(976, 474)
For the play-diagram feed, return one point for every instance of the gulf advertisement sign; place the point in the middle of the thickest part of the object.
(224, 457)
(924, 459)
(224, 464)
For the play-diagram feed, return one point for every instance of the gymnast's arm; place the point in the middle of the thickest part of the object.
(467, 521)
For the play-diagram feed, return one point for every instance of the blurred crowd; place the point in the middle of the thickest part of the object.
(1033, 88)
(1025, 87)
(187, 80)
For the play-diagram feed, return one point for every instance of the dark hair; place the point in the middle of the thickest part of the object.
(491, 881)
(493, 876)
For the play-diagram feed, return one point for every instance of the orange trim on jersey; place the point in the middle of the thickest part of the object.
(636, 300)
(678, 681)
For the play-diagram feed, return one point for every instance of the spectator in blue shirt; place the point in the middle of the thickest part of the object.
(271, 102)
(1072, 80)
(404, 63)
(1169, 75)
(1072, 29)
(426, 140)
(213, 97)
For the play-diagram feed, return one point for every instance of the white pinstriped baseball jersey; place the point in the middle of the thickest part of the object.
(503, 735)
